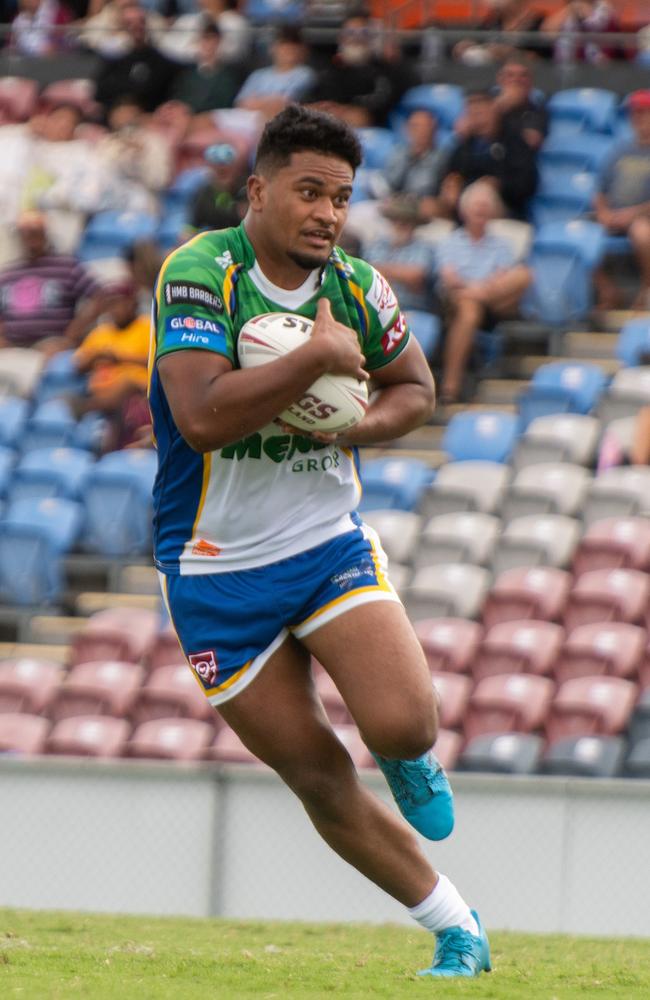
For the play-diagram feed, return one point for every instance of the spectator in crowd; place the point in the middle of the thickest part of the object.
(406, 262)
(521, 112)
(287, 78)
(37, 28)
(485, 149)
(182, 39)
(220, 202)
(416, 166)
(480, 282)
(210, 83)
(47, 300)
(138, 158)
(358, 86)
(507, 16)
(623, 200)
(142, 71)
(108, 31)
(577, 17)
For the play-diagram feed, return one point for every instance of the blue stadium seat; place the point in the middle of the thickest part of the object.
(13, 416)
(274, 11)
(52, 425)
(34, 536)
(562, 194)
(59, 378)
(172, 229)
(633, 342)
(561, 291)
(484, 435)
(377, 145)
(394, 483)
(51, 472)
(179, 193)
(617, 246)
(585, 152)
(562, 387)
(425, 327)
(117, 502)
(444, 100)
(109, 234)
(7, 461)
(585, 109)
(586, 237)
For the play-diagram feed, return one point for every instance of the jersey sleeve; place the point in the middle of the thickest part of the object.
(388, 331)
(190, 311)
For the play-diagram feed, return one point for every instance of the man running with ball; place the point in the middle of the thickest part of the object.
(263, 559)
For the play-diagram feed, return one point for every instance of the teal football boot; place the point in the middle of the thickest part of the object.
(422, 792)
(460, 953)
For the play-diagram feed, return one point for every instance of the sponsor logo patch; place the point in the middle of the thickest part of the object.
(382, 298)
(394, 334)
(192, 331)
(205, 667)
(192, 294)
(203, 548)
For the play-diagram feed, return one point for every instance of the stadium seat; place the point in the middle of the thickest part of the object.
(34, 537)
(562, 196)
(28, 685)
(124, 634)
(590, 706)
(398, 531)
(639, 726)
(18, 96)
(539, 592)
(618, 492)
(547, 488)
(612, 648)
(633, 344)
(20, 371)
(445, 101)
(482, 436)
(585, 757)
(51, 425)
(629, 390)
(59, 377)
(426, 328)
(453, 694)
(117, 502)
(447, 746)
(614, 543)
(586, 152)
(508, 703)
(581, 235)
(448, 590)
(170, 739)
(450, 644)
(110, 234)
(537, 540)
(560, 293)
(13, 417)
(21, 733)
(172, 692)
(584, 109)
(525, 646)
(608, 595)
(637, 764)
(400, 576)
(97, 688)
(505, 753)
(469, 536)
(377, 144)
(7, 463)
(393, 483)
(88, 736)
(466, 485)
(180, 192)
(163, 649)
(227, 748)
(562, 386)
(271, 12)
(51, 472)
(172, 230)
(562, 437)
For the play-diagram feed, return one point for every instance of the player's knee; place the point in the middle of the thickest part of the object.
(405, 739)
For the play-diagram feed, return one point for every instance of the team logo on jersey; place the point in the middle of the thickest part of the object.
(192, 294)
(394, 334)
(205, 667)
(224, 260)
(382, 298)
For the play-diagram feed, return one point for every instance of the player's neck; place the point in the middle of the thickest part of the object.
(283, 273)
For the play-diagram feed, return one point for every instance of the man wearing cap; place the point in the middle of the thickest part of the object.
(623, 201)
(216, 203)
(407, 262)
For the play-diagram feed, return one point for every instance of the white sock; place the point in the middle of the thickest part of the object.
(444, 907)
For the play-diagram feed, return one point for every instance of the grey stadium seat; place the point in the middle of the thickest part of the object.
(448, 590)
(547, 540)
(585, 756)
(637, 764)
(559, 437)
(468, 536)
(639, 728)
(547, 488)
(466, 486)
(629, 389)
(506, 753)
(618, 492)
(398, 531)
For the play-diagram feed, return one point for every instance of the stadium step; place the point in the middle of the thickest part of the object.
(88, 602)
(528, 366)
(591, 346)
(34, 651)
(138, 580)
(53, 629)
(495, 391)
(612, 320)
(431, 458)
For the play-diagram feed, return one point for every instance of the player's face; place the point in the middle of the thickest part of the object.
(305, 205)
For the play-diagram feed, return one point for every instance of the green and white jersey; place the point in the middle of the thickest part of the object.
(270, 495)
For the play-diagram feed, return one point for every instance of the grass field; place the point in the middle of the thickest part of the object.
(60, 956)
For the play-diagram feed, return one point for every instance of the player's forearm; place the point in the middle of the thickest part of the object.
(394, 411)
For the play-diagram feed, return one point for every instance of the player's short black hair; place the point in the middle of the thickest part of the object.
(297, 129)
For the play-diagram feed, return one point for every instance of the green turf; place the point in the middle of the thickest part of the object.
(60, 956)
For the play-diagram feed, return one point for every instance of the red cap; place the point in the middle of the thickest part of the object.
(639, 100)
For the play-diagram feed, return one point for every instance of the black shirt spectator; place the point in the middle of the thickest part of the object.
(522, 112)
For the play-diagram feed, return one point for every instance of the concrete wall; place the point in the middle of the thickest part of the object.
(531, 854)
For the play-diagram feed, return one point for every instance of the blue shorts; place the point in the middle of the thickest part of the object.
(229, 624)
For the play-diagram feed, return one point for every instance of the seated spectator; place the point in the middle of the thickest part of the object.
(479, 282)
(36, 29)
(288, 77)
(405, 261)
(484, 148)
(521, 113)
(623, 201)
(220, 202)
(138, 158)
(211, 83)
(108, 31)
(416, 166)
(182, 39)
(579, 17)
(502, 16)
(47, 300)
(358, 86)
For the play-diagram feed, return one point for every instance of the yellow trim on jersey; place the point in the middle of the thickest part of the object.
(207, 467)
(350, 453)
(226, 684)
(228, 286)
(360, 296)
(383, 582)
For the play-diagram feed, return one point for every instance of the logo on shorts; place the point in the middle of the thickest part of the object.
(205, 666)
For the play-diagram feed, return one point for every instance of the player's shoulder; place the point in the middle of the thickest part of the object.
(353, 268)
(378, 297)
(206, 257)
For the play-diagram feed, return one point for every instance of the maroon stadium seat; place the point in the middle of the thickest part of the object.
(454, 691)
(538, 592)
(329, 694)
(106, 687)
(89, 736)
(603, 648)
(448, 747)
(22, 733)
(590, 706)
(351, 740)
(608, 595)
(515, 703)
(173, 692)
(165, 649)
(526, 646)
(18, 97)
(171, 739)
(449, 644)
(614, 543)
(28, 685)
(116, 634)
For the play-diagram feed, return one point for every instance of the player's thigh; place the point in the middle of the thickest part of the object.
(374, 657)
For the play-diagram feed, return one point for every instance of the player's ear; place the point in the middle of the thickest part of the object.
(256, 187)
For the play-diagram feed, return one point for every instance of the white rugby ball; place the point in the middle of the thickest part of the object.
(332, 404)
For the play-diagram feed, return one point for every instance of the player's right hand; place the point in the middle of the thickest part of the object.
(338, 344)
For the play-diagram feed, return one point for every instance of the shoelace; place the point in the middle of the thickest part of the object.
(451, 948)
(408, 779)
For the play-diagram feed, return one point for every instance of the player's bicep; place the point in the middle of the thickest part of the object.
(188, 379)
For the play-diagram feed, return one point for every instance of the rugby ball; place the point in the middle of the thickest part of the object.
(332, 404)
